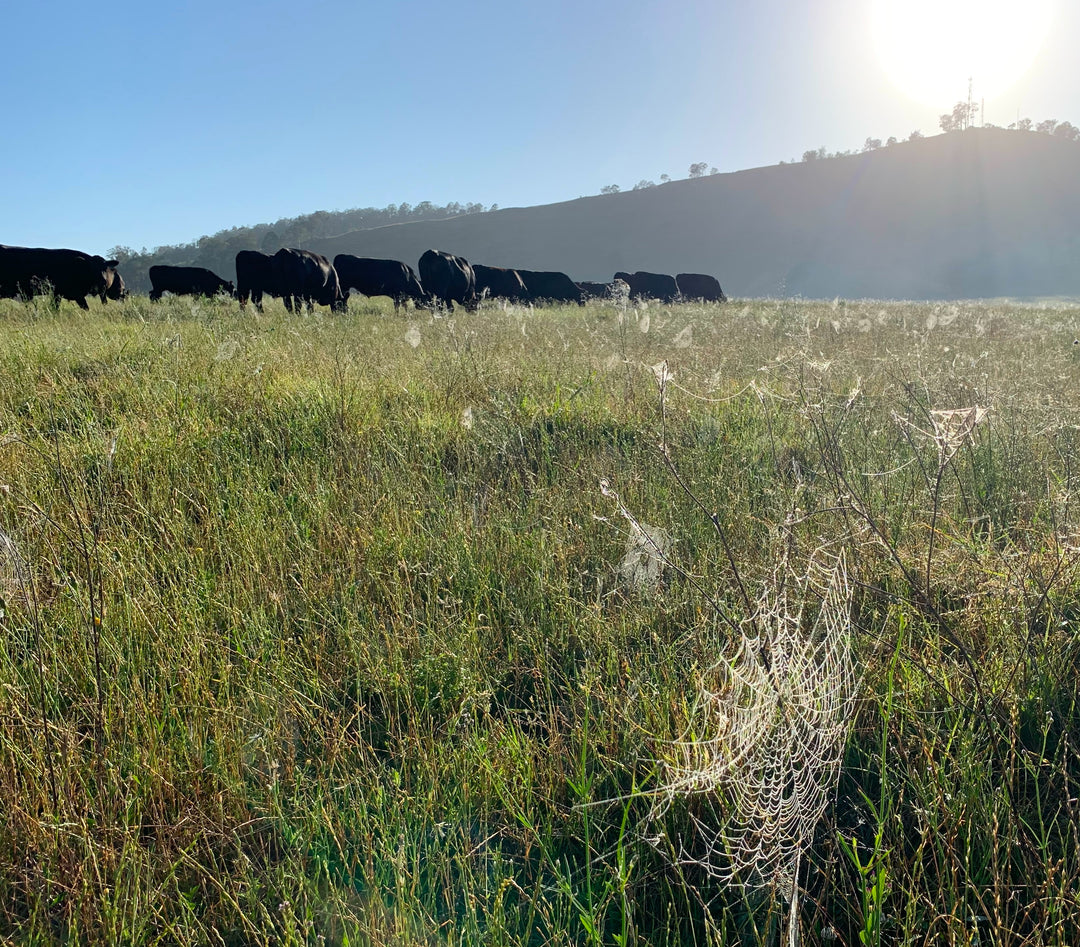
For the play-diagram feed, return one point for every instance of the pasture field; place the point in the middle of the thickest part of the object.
(326, 629)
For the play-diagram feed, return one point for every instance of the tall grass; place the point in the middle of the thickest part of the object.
(313, 629)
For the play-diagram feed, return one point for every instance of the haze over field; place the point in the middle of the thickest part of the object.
(970, 214)
(143, 125)
(979, 213)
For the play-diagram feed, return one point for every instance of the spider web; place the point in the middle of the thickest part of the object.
(14, 572)
(761, 756)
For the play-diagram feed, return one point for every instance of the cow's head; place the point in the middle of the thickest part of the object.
(116, 288)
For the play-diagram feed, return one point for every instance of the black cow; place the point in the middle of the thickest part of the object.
(651, 286)
(309, 277)
(700, 286)
(500, 283)
(448, 279)
(595, 290)
(294, 276)
(379, 278)
(71, 274)
(187, 281)
(116, 288)
(551, 286)
(255, 275)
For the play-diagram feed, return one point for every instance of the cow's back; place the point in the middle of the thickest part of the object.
(700, 286)
(551, 285)
(448, 277)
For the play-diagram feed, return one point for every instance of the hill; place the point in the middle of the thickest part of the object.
(980, 213)
(218, 251)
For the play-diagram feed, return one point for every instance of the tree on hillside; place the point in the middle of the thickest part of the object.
(664, 178)
(915, 135)
(1067, 130)
(643, 184)
(815, 154)
(962, 116)
(871, 144)
(697, 169)
(610, 189)
(1047, 126)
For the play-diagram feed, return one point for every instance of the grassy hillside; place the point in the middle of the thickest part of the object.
(218, 252)
(976, 214)
(327, 630)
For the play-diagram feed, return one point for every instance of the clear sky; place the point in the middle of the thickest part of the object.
(142, 124)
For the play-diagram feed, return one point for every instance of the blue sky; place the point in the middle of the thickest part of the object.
(142, 124)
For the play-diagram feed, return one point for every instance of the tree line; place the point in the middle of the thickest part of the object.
(964, 114)
(697, 170)
(962, 117)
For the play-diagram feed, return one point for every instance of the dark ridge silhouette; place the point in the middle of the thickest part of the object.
(979, 213)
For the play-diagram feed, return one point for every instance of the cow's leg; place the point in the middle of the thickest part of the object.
(82, 303)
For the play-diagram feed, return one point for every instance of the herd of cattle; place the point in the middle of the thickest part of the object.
(303, 277)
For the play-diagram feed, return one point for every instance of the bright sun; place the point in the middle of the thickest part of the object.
(930, 48)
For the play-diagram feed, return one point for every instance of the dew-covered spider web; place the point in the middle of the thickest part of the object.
(14, 573)
(761, 756)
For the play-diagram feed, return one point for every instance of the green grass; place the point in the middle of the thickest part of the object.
(317, 635)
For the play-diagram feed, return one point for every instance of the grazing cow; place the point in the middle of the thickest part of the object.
(70, 274)
(294, 276)
(595, 290)
(255, 275)
(551, 286)
(500, 283)
(379, 278)
(116, 288)
(187, 281)
(304, 276)
(651, 286)
(700, 286)
(448, 279)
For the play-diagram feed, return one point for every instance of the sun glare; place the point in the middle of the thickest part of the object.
(930, 48)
